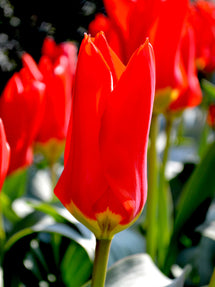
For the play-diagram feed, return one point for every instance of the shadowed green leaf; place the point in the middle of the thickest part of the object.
(199, 188)
(76, 267)
(209, 90)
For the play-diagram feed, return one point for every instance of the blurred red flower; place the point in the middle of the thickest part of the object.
(57, 65)
(21, 109)
(104, 182)
(202, 18)
(191, 95)
(127, 25)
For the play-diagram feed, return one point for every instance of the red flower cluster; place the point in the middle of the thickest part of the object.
(104, 182)
(129, 23)
(21, 109)
(36, 102)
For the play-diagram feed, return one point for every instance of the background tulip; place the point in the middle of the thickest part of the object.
(156, 20)
(191, 95)
(21, 109)
(202, 18)
(57, 65)
(104, 181)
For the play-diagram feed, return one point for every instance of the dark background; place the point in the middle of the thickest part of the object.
(24, 25)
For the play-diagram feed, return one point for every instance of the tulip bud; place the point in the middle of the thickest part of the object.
(104, 182)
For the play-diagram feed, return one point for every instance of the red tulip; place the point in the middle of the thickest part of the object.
(21, 109)
(202, 18)
(161, 21)
(104, 182)
(57, 65)
(191, 95)
(103, 23)
(4, 154)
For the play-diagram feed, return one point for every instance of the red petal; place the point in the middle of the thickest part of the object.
(4, 154)
(166, 40)
(124, 132)
(30, 64)
(82, 181)
(116, 66)
(191, 96)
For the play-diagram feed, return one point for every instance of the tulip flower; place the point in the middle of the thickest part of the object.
(191, 95)
(133, 21)
(4, 154)
(57, 65)
(202, 18)
(21, 109)
(104, 23)
(104, 181)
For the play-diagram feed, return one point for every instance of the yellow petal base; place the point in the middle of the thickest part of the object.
(106, 224)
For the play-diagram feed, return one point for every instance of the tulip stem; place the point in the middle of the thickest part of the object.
(100, 262)
(152, 201)
(2, 233)
(163, 205)
(53, 175)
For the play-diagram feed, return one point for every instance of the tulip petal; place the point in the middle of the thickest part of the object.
(165, 38)
(124, 133)
(83, 167)
(31, 66)
(4, 154)
(119, 11)
(191, 96)
(116, 66)
(25, 103)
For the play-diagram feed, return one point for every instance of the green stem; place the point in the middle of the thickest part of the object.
(212, 281)
(53, 174)
(100, 262)
(2, 232)
(169, 123)
(163, 204)
(152, 201)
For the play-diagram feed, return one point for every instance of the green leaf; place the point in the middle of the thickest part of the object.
(59, 214)
(209, 90)
(7, 211)
(139, 270)
(199, 188)
(76, 267)
(47, 224)
(15, 184)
